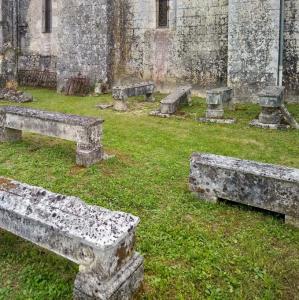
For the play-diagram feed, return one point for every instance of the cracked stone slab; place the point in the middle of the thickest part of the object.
(266, 186)
(99, 240)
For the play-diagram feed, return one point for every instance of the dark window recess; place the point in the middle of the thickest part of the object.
(162, 13)
(47, 16)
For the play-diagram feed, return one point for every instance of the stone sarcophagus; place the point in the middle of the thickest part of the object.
(121, 93)
(85, 131)
(100, 241)
(266, 186)
(181, 96)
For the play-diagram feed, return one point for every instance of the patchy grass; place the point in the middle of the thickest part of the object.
(192, 249)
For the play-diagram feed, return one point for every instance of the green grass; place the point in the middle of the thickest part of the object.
(192, 249)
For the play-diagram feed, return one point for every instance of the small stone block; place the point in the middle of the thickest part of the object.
(217, 121)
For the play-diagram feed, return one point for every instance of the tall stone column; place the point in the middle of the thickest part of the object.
(253, 46)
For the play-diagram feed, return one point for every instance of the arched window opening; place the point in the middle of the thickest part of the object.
(163, 13)
(47, 16)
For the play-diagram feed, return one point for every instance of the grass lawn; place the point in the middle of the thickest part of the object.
(192, 249)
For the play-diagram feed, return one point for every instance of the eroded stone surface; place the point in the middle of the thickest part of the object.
(85, 131)
(123, 92)
(15, 96)
(99, 240)
(181, 96)
(266, 186)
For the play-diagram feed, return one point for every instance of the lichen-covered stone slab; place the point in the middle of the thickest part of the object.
(85, 131)
(270, 187)
(181, 96)
(99, 240)
(123, 92)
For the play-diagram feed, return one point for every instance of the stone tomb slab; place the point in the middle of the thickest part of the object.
(266, 186)
(100, 241)
(85, 131)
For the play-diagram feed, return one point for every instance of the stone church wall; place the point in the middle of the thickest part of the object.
(193, 49)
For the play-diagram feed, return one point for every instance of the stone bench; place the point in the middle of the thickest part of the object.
(265, 186)
(100, 241)
(121, 93)
(169, 105)
(217, 100)
(85, 131)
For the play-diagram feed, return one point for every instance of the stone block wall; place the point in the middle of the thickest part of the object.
(193, 49)
(82, 39)
(291, 49)
(253, 46)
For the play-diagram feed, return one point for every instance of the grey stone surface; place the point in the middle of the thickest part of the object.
(15, 96)
(121, 93)
(181, 96)
(85, 131)
(216, 121)
(258, 124)
(217, 100)
(99, 240)
(270, 187)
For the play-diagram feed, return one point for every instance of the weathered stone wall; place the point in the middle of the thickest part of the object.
(82, 39)
(193, 49)
(253, 45)
(291, 52)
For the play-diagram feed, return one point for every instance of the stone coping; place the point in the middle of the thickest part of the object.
(52, 116)
(92, 225)
(256, 168)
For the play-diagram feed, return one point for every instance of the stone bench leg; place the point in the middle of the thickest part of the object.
(10, 135)
(87, 155)
(149, 97)
(122, 285)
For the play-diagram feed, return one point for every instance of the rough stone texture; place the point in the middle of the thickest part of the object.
(270, 101)
(112, 40)
(181, 96)
(216, 121)
(253, 40)
(217, 99)
(291, 49)
(121, 94)
(86, 131)
(15, 96)
(99, 240)
(266, 186)
(274, 114)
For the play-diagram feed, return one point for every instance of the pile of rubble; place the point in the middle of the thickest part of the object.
(15, 96)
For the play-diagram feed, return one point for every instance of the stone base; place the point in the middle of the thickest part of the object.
(217, 121)
(292, 221)
(104, 106)
(257, 123)
(122, 285)
(215, 114)
(87, 157)
(120, 105)
(157, 113)
(10, 135)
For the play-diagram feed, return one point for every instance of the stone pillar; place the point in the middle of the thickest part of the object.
(253, 46)
(270, 101)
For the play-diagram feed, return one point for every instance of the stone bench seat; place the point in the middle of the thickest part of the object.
(100, 241)
(85, 131)
(121, 93)
(266, 186)
(181, 96)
